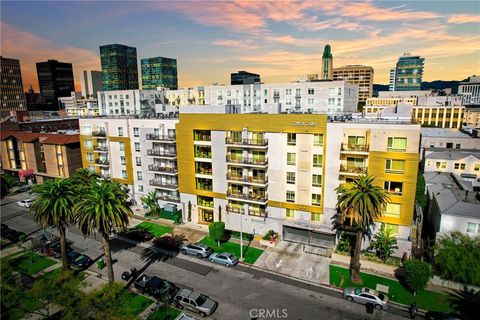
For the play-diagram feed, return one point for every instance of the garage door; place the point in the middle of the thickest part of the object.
(308, 237)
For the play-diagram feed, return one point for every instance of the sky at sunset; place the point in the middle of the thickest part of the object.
(280, 40)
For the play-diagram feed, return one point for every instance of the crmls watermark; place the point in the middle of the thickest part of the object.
(261, 313)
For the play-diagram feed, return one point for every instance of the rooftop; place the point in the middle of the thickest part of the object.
(443, 133)
(456, 154)
(44, 138)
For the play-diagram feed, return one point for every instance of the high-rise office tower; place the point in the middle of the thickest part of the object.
(119, 67)
(408, 73)
(159, 72)
(327, 64)
(357, 74)
(90, 82)
(244, 77)
(13, 97)
(55, 79)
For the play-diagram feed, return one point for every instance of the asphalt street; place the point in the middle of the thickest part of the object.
(242, 292)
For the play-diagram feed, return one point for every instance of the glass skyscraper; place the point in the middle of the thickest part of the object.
(159, 72)
(119, 67)
(408, 73)
(327, 63)
(55, 79)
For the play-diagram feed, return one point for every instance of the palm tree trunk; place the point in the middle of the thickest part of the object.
(108, 256)
(63, 247)
(355, 259)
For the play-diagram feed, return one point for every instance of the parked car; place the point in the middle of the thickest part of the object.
(435, 315)
(225, 258)
(196, 302)
(366, 295)
(139, 235)
(156, 287)
(25, 203)
(197, 249)
(79, 260)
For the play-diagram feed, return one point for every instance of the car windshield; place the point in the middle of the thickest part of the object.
(79, 258)
(231, 257)
(358, 291)
(200, 300)
(381, 296)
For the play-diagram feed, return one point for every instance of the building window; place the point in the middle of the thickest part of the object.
(135, 132)
(288, 92)
(290, 213)
(89, 144)
(122, 146)
(137, 146)
(394, 166)
(90, 156)
(123, 160)
(140, 188)
(318, 140)
(139, 175)
(396, 144)
(316, 180)
(311, 91)
(315, 216)
(331, 101)
(291, 177)
(291, 158)
(440, 165)
(393, 210)
(310, 101)
(459, 166)
(138, 161)
(476, 167)
(290, 196)
(317, 160)
(394, 187)
(124, 174)
(120, 131)
(356, 141)
(291, 139)
(316, 199)
(473, 228)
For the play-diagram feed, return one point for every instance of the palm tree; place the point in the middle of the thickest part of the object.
(83, 177)
(150, 201)
(53, 207)
(103, 208)
(362, 203)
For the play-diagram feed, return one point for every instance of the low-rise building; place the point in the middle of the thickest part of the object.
(78, 106)
(472, 117)
(462, 162)
(40, 155)
(438, 139)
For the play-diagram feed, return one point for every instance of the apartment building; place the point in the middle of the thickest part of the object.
(470, 91)
(140, 153)
(357, 74)
(472, 117)
(439, 139)
(40, 155)
(316, 96)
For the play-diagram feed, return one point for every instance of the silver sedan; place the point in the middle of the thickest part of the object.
(366, 295)
(224, 258)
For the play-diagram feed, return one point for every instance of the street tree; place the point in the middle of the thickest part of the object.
(417, 274)
(217, 231)
(384, 242)
(150, 201)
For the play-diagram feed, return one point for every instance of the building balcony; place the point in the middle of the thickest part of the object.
(261, 198)
(258, 213)
(354, 148)
(163, 169)
(204, 171)
(101, 162)
(263, 143)
(163, 138)
(205, 204)
(248, 161)
(100, 134)
(163, 185)
(161, 153)
(247, 180)
(106, 176)
(100, 149)
(352, 170)
(232, 209)
(168, 197)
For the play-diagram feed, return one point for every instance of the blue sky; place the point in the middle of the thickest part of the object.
(281, 40)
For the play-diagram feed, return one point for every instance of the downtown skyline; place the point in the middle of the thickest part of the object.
(280, 40)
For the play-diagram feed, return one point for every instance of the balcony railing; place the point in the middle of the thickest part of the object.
(353, 169)
(99, 133)
(106, 176)
(102, 162)
(159, 137)
(208, 204)
(161, 153)
(242, 196)
(167, 197)
(204, 186)
(258, 213)
(204, 155)
(203, 137)
(235, 209)
(247, 142)
(355, 147)
(247, 160)
(163, 184)
(204, 171)
(261, 180)
(158, 168)
(101, 148)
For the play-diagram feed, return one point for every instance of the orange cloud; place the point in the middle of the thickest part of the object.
(368, 11)
(30, 49)
(464, 18)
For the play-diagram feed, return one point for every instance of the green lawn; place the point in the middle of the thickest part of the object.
(136, 304)
(155, 229)
(432, 301)
(250, 254)
(164, 314)
(31, 263)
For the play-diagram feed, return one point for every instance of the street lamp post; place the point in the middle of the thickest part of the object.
(241, 236)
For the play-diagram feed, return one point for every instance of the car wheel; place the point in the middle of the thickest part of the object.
(184, 251)
(203, 314)
(199, 256)
(349, 298)
(179, 306)
(212, 261)
(378, 307)
(227, 264)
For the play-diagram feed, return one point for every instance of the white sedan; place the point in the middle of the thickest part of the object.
(25, 203)
(366, 295)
